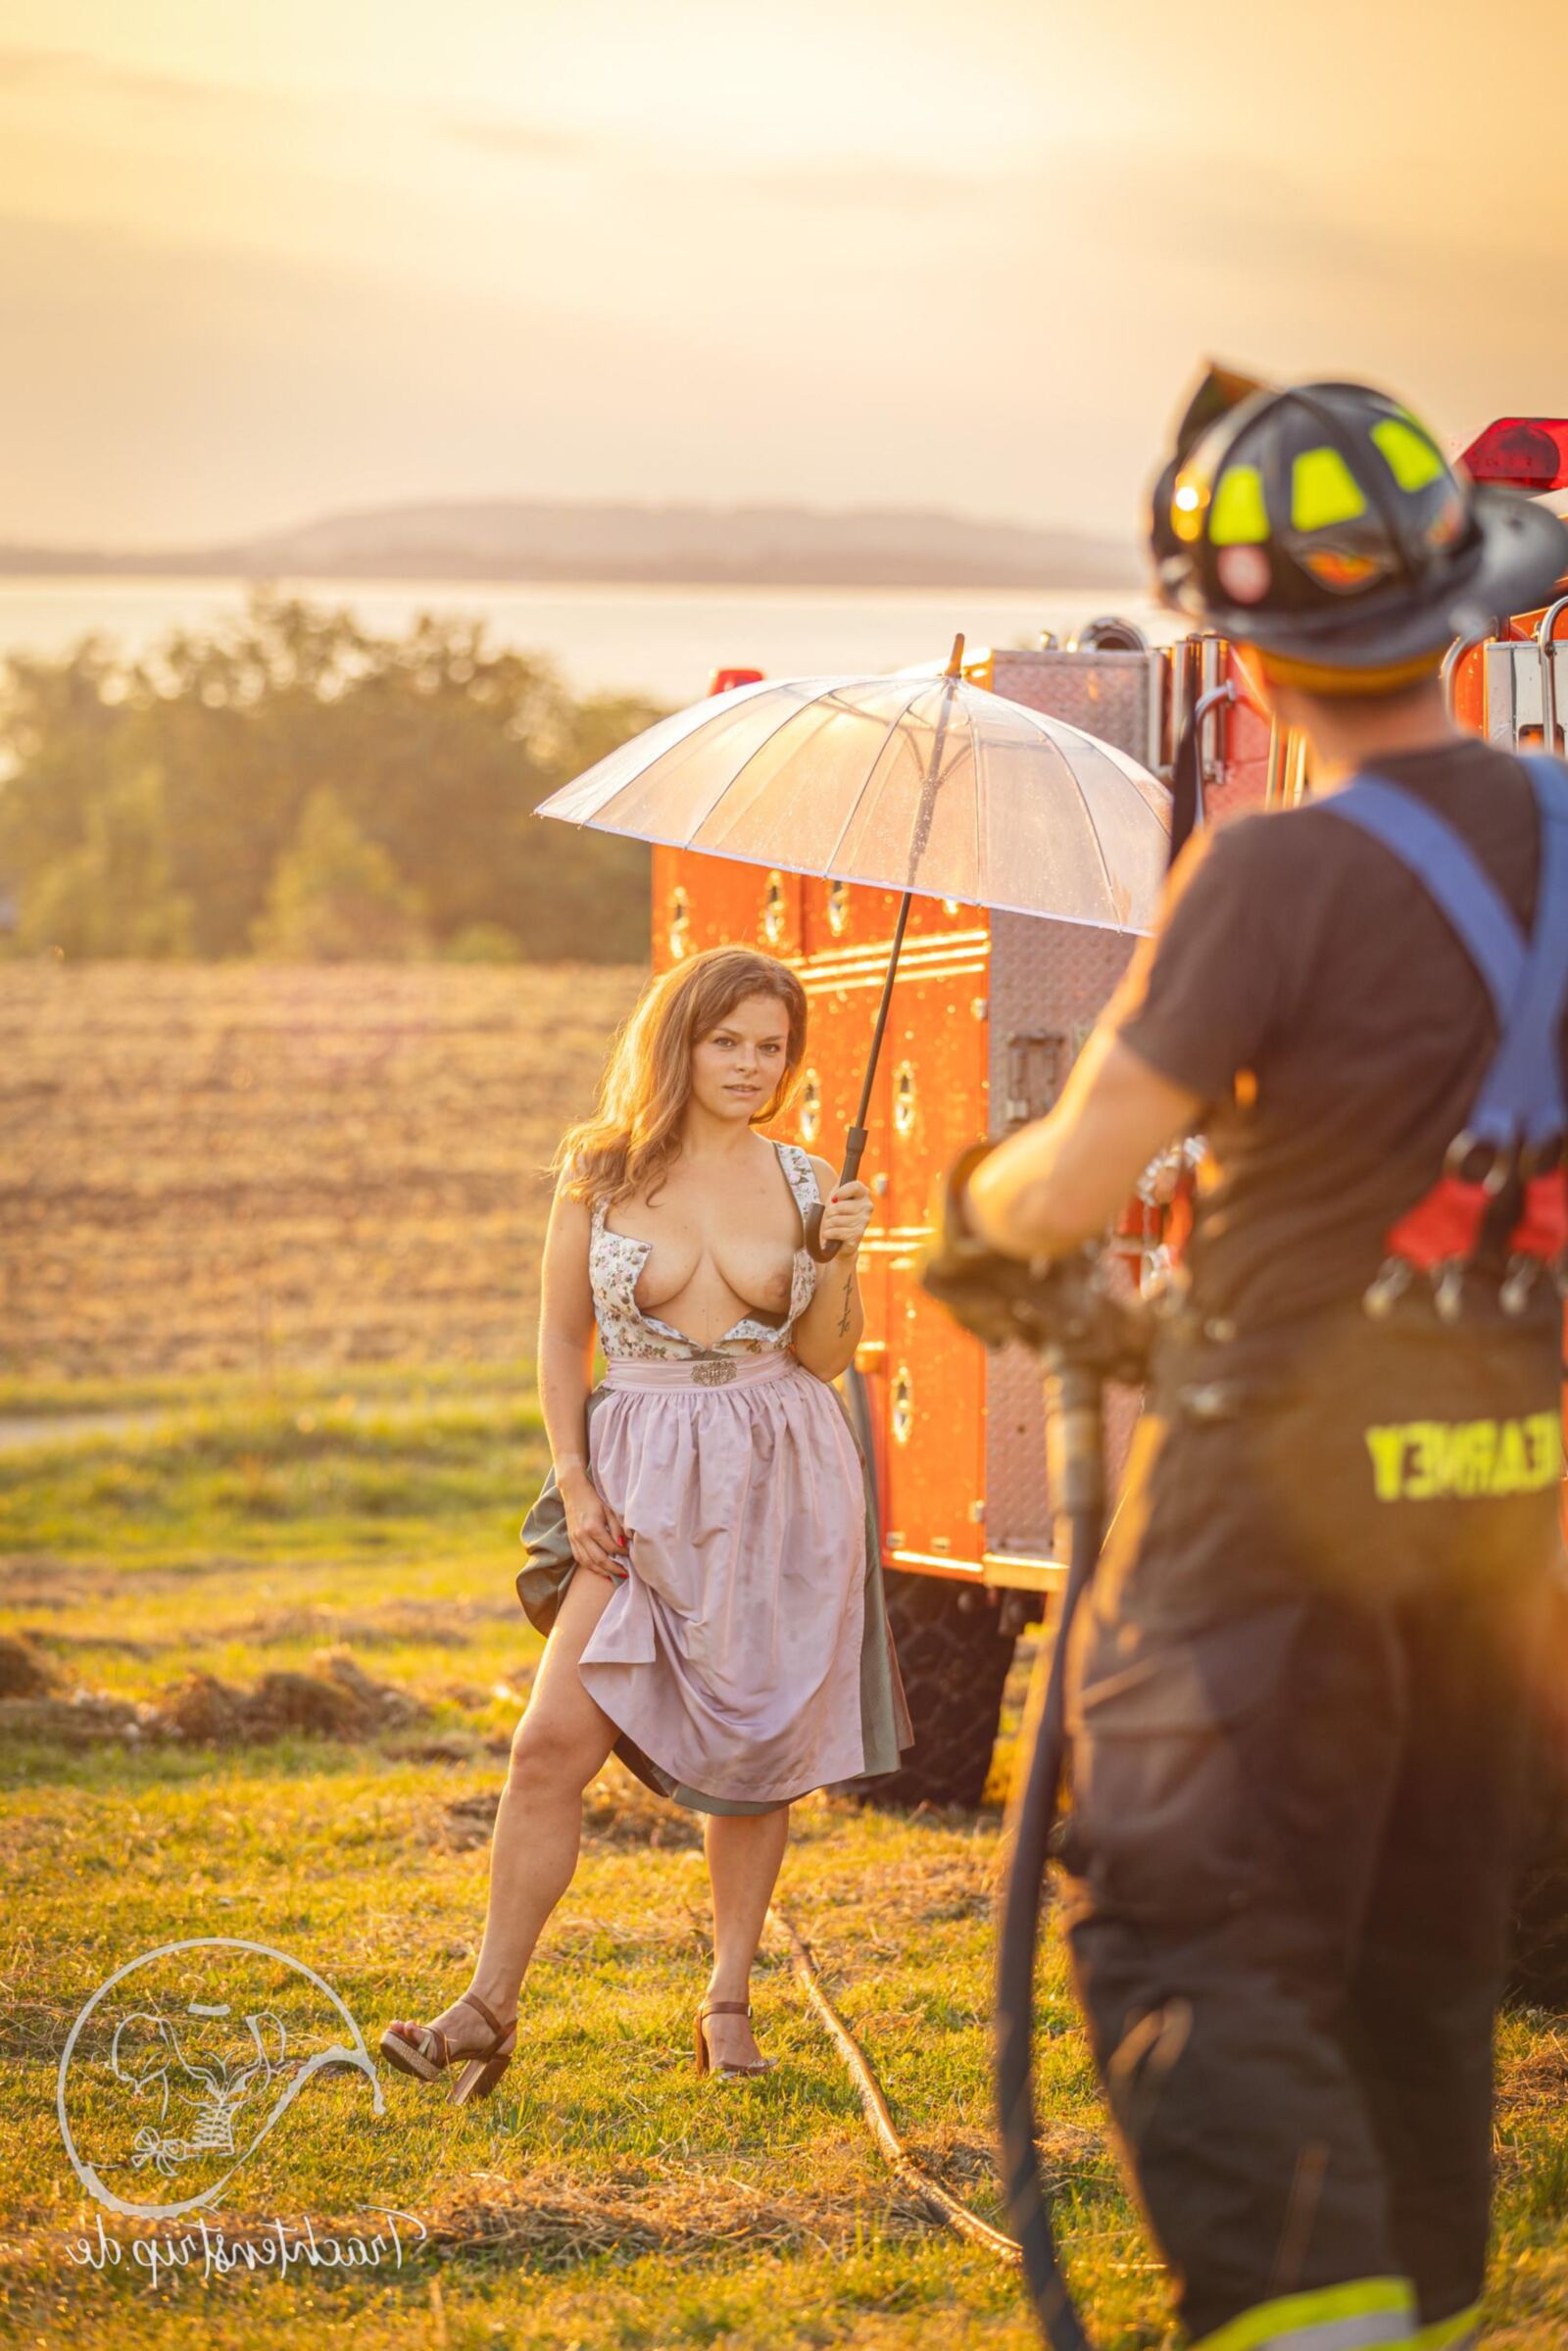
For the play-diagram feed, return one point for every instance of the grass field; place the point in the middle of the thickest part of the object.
(250, 1166)
(602, 2197)
(266, 1435)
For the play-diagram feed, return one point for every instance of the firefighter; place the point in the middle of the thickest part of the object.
(1297, 1693)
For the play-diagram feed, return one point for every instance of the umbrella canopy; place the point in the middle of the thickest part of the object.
(930, 786)
(924, 784)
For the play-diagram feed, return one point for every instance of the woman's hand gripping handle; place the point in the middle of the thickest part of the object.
(844, 1217)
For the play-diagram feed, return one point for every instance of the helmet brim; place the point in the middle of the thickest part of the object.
(1517, 556)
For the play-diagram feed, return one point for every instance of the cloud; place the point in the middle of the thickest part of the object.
(525, 142)
(24, 68)
(187, 391)
(73, 72)
(833, 183)
(836, 329)
(856, 183)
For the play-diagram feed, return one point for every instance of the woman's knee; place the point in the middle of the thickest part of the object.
(550, 1753)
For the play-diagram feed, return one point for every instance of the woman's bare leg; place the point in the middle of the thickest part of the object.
(560, 1744)
(744, 1852)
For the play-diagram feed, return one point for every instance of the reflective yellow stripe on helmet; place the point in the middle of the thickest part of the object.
(1408, 453)
(1363, 2316)
(1238, 518)
(1459, 2333)
(1324, 490)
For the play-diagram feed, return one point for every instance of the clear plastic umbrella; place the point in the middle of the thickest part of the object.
(927, 785)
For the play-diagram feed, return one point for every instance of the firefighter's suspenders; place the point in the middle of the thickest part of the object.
(1519, 1121)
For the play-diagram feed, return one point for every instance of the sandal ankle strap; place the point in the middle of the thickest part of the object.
(727, 2008)
(489, 2015)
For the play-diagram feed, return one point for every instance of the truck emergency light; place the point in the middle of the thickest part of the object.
(1521, 452)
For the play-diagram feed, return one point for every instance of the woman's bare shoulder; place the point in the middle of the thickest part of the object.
(826, 1174)
(570, 1205)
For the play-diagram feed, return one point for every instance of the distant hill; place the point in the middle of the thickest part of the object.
(464, 539)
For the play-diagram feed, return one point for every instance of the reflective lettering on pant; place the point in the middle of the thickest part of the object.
(1428, 1460)
(1360, 2317)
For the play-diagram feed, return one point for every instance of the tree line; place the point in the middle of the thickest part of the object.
(291, 785)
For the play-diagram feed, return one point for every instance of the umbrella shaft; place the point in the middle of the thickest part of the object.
(855, 1147)
(856, 1140)
(922, 834)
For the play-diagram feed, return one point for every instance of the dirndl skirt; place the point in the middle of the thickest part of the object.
(746, 1659)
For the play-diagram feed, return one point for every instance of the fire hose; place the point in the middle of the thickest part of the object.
(1035, 1806)
(1084, 1335)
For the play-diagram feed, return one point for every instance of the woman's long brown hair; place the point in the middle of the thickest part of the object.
(626, 1147)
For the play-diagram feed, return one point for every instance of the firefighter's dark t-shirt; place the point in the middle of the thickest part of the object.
(1295, 947)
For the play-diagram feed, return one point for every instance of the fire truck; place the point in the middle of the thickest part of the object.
(989, 1011)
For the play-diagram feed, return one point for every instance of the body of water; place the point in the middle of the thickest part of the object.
(663, 641)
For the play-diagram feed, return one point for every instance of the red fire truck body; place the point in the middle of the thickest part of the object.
(989, 1012)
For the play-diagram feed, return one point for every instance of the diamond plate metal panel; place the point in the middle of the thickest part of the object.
(1047, 980)
(1047, 984)
(1112, 695)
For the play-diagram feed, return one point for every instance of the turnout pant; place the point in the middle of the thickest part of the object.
(1301, 1717)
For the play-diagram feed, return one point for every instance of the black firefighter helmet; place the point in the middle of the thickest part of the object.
(1321, 523)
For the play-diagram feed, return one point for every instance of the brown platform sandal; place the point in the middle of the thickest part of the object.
(727, 2073)
(482, 2069)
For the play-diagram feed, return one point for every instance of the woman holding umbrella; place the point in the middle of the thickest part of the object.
(728, 1638)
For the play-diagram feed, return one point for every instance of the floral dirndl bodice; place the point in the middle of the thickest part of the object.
(615, 1261)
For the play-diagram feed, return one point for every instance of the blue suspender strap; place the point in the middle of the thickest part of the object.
(1427, 846)
(1521, 1094)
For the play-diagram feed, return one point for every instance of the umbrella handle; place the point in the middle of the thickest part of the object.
(824, 1252)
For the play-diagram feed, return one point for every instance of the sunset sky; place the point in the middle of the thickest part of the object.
(261, 259)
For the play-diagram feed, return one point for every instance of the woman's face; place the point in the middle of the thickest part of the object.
(737, 1066)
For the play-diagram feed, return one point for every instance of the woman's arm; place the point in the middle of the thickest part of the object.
(828, 1333)
(566, 1336)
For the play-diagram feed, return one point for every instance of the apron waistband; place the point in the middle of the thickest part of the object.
(698, 1371)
